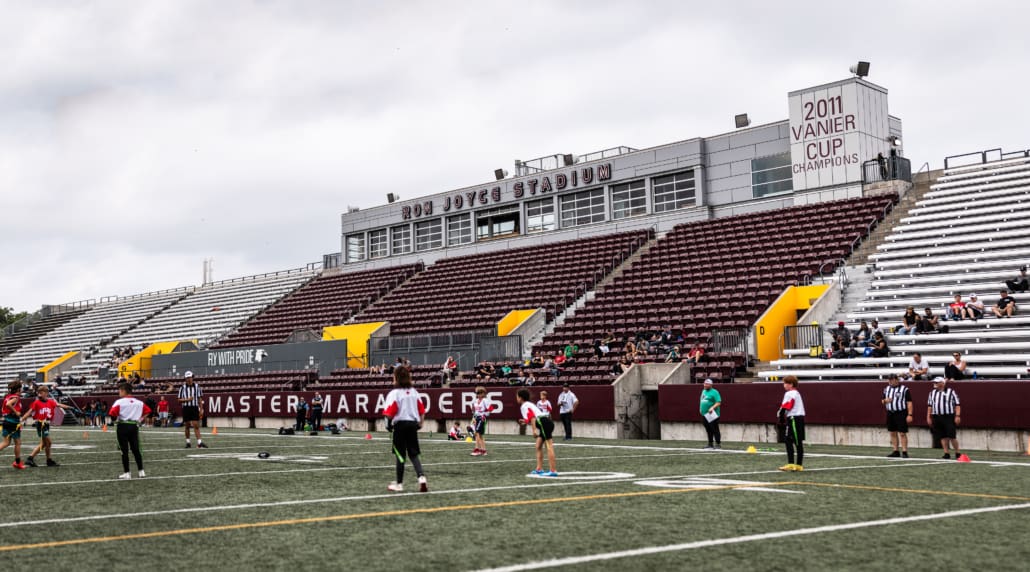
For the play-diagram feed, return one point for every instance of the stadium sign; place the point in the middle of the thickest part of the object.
(519, 189)
(834, 128)
(323, 356)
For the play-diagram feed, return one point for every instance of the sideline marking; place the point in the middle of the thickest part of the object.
(700, 483)
(341, 517)
(749, 538)
(584, 476)
(271, 504)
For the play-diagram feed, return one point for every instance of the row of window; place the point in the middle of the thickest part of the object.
(668, 192)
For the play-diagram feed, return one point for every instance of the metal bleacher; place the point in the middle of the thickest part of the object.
(969, 234)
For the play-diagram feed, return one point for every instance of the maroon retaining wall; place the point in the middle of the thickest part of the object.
(596, 403)
(985, 404)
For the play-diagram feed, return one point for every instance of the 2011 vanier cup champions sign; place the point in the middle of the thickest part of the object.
(834, 128)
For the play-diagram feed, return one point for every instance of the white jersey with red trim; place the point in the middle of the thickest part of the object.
(129, 409)
(530, 411)
(404, 404)
(481, 408)
(793, 404)
(544, 405)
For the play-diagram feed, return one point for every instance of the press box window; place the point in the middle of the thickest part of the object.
(582, 208)
(459, 230)
(355, 248)
(629, 199)
(400, 238)
(540, 215)
(673, 192)
(428, 234)
(497, 223)
(771, 175)
(378, 247)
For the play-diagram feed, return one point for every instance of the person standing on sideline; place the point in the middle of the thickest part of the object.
(792, 414)
(316, 411)
(302, 414)
(162, 411)
(567, 405)
(543, 431)
(42, 411)
(192, 411)
(711, 410)
(898, 401)
(11, 409)
(944, 414)
(405, 412)
(544, 405)
(128, 412)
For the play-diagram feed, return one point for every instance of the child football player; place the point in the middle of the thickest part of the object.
(11, 410)
(543, 428)
(792, 413)
(405, 411)
(42, 412)
(544, 405)
(481, 409)
(128, 412)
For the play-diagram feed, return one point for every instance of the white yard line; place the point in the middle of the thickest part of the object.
(536, 485)
(605, 556)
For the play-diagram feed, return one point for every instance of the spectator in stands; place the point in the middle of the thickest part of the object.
(505, 371)
(528, 378)
(570, 351)
(909, 322)
(643, 347)
(618, 368)
(559, 363)
(874, 328)
(862, 336)
(696, 354)
(839, 348)
(450, 369)
(928, 323)
(538, 361)
(842, 334)
(1020, 283)
(975, 308)
(630, 348)
(608, 339)
(956, 368)
(484, 371)
(1006, 305)
(918, 367)
(956, 309)
(674, 355)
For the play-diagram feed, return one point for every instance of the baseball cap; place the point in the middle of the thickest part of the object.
(938, 379)
(973, 295)
(188, 374)
(566, 384)
(709, 381)
(840, 323)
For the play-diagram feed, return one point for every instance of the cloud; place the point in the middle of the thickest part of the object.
(141, 138)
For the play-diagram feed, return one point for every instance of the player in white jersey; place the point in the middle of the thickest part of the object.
(481, 409)
(792, 416)
(544, 405)
(543, 429)
(127, 413)
(405, 412)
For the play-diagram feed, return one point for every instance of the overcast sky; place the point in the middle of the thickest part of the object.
(138, 138)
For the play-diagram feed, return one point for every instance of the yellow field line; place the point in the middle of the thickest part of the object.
(916, 491)
(339, 517)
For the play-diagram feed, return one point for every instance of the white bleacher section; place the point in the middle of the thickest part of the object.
(969, 234)
(97, 325)
(208, 313)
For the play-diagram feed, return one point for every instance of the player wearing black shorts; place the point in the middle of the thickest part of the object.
(543, 430)
(190, 396)
(897, 400)
(405, 412)
(944, 414)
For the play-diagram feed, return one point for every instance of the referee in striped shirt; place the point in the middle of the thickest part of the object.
(898, 401)
(943, 414)
(192, 410)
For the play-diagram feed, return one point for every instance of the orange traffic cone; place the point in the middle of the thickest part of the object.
(962, 458)
(85, 436)
(214, 430)
(105, 428)
(368, 436)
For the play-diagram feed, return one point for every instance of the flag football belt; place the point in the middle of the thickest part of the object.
(128, 423)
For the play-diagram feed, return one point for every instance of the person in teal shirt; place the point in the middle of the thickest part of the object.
(711, 402)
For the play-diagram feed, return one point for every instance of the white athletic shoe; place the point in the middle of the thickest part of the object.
(395, 487)
(125, 476)
(142, 474)
(423, 485)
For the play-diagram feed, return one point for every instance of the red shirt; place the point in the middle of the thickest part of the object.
(162, 406)
(43, 410)
(16, 410)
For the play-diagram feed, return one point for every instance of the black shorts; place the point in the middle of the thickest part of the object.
(405, 439)
(796, 428)
(544, 428)
(479, 425)
(897, 421)
(190, 413)
(944, 426)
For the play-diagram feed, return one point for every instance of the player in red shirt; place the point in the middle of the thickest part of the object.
(42, 411)
(11, 410)
(162, 411)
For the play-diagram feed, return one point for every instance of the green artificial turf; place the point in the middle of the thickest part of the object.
(321, 503)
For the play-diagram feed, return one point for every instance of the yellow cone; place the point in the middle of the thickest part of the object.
(751, 449)
(468, 439)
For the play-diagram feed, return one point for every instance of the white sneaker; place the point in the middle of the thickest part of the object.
(142, 474)
(423, 485)
(395, 487)
(125, 476)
